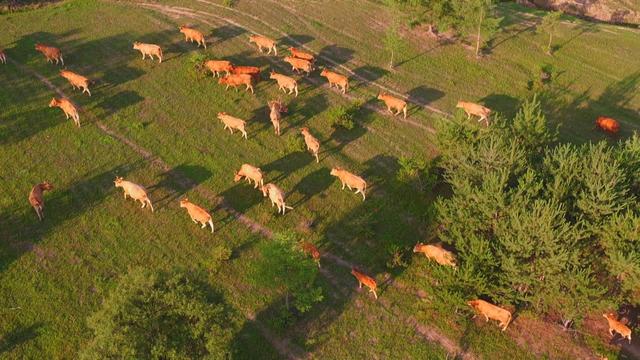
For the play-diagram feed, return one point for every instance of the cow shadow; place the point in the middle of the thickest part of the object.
(279, 169)
(312, 184)
(19, 127)
(176, 182)
(371, 73)
(226, 32)
(18, 336)
(295, 40)
(339, 55)
(119, 101)
(23, 49)
(505, 104)
(260, 116)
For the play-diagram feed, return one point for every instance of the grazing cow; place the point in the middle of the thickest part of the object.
(276, 195)
(297, 53)
(608, 124)
(285, 82)
(490, 311)
(237, 80)
(3, 57)
(218, 66)
(192, 35)
(197, 214)
(264, 42)
(440, 255)
(69, 109)
(476, 110)
(275, 114)
(366, 280)
(76, 80)
(36, 198)
(298, 65)
(336, 79)
(231, 123)
(350, 180)
(137, 192)
(313, 145)
(249, 70)
(393, 103)
(249, 172)
(51, 53)
(617, 326)
(148, 49)
(310, 249)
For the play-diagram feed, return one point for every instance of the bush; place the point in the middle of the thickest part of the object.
(416, 172)
(294, 143)
(342, 116)
(196, 65)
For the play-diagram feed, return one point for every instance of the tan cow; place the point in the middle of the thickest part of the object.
(394, 103)
(148, 49)
(617, 326)
(350, 180)
(51, 53)
(285, 82)
(490, 311)
(76, 81)
(218, 66)
(276, 195)
(197, 214)
(366, 280)
(298, 65)
(310, 249)
(476, 110)
(297, 53)
(3, 57)
(336, 79)
(250, 173)
(264, 42)
(440, 255)
(135, 191)
(192, 35)
(237, 80)
(36, 198)
(276, 108)
(68, 108)
(313, 145)
(231, 123)
(254, 71)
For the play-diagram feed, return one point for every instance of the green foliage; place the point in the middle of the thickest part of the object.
(392, 42)
(343, 116)
(294, 143)
(167, 315)
(219, 254)
(229, 3)
(530, 127)
(417, 173)
(549, 26)
(477, 18)
(195, 65)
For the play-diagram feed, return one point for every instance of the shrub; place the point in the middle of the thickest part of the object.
(196, 65)
(416, 172)
(294, 143)
(344, 116)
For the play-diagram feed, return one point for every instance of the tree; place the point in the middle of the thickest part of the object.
(166, 315)
(549, 25)
(477, 17)
(392, 42)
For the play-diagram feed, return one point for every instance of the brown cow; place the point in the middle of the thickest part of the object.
(313, 145)
(276, 108)
(366, 280)
(276, 195)
(310, 249)
(490, 311)
(218, 66)
(36, 198)
(249, 70)
(148, 49)
(608, 124)
(192, 35)
(237, 80)
(336, 79)
(297, 53)
(440, 255)
(76, 80)
(350, 180)
(393, 103)
(298, 65)
(3, 57)
(476, 110)
(264, 42)
(137, 192)
(249, 172)
(285, 82)
(51, 53)
(231, 123)
(617, 326)
(197, 214)
(68, 108)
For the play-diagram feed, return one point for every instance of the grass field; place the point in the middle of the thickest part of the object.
(55, 273)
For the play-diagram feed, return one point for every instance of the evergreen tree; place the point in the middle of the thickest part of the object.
(549, 25)
(477, 18)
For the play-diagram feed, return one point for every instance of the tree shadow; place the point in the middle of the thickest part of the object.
(339, 55)
(505, 104)
(18, 336)
(584, 27)
(371, 73)
(173, 185)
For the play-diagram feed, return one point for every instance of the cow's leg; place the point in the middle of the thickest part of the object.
(486, 317)
(194, 220)
(203, 225)
(343, 184)
(359, 284)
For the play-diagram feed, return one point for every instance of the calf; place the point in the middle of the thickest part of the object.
(3, 57)
(366, 280)
(36, 198)
(350, 180)
(276, 195)
(310, 249)
(68, 108)
(134, 190)
(440, 255)
(218, 66)
(237, 80)
(264, 42)
(231, 123)
(192, 35)
(298, 65)
(297, 53)
(617, 326)
(76, 80)
(285, 82)
(313, 145)
(393, 103)
(476, 110)
(490, 311)
(197, 214)
(148, 49)
(608, 124)
(276, 108)
(249, 70)
(51, 53)
(336, 79)
(250, 173)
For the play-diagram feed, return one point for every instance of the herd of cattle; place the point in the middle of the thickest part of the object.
(235, 76)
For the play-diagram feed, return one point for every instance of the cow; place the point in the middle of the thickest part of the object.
(366, 280)
(336, 79)
(148, 49)
(297, 53)
(250, 173)
(617, 326)
(311, 250)
(3, 57)
(197, 214)
(264, 42)
(440, 255)
(476, 110)
(393, 103)
(76, 81)
(298, 65)
(313, 145)
(192, 35)
(276, 108)
(608, 124)
(231, 123)
(237, 80)
(137, 192)
(218, 66)
(285, 82)
(249, 70)
(36, 198)
(276, 195)
(51, 53)
(490, 311)
(350, 180)
(67, 107)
